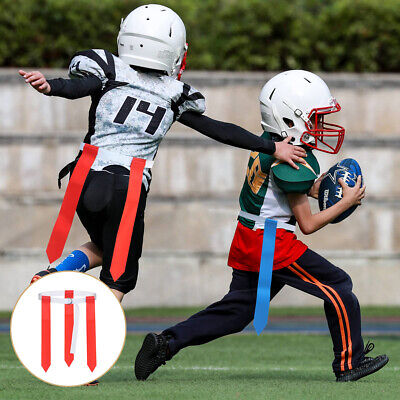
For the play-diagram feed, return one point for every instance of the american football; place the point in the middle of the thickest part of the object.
(330, 191)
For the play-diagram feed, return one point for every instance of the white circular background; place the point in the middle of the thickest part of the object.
(26, 330)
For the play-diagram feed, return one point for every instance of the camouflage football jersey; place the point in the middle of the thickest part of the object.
(267, 183)
(135, 109)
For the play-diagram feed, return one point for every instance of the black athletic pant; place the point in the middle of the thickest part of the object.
(312, 274)
(100, 210)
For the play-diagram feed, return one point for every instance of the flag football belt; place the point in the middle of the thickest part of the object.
(261, 220)
(71, 299)
(266, 266)
(63, 223)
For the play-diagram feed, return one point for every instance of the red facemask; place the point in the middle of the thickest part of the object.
(183, 65)
(328, 138)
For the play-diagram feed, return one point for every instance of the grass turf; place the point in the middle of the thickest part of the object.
(235, 367)
(184, 312)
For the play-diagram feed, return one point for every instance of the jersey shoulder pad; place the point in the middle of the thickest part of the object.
(187, 98)
(291, 180)
(97, 62)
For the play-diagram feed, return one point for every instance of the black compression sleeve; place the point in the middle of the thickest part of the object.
(227, 133)
(74, 88)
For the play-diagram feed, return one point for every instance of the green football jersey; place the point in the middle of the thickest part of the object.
(269, 180)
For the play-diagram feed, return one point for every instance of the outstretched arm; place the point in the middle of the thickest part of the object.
(234, 135)
(67, 88)
(309, 222)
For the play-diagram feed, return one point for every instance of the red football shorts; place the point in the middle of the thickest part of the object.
(245, 252)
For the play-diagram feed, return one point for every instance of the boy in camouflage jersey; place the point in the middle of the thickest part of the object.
(136, 97)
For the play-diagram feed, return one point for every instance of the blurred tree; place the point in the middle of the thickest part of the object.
(330, 35)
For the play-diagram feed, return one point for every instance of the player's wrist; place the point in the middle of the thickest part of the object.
(346, 203)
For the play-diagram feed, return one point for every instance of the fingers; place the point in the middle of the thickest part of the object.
(299, 151)
(38, 82)
(287, 140)
(298, 159)
(28, 74)
(22, 72)
(358, 183)
(33, 76)
(292, 164)
(341, 182)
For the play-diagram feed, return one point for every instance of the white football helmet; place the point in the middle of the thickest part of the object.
(295, 103)
(153, 36)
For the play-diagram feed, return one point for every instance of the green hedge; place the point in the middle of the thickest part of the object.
(329, 35)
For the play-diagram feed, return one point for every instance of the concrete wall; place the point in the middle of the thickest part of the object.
(192, 207)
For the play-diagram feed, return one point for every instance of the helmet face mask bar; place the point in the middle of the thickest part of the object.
(323, 132)
(182, 66)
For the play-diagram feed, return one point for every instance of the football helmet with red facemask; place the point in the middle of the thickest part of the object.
(153, 36)
(295, 103)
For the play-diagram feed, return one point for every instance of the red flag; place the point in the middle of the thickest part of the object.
(123, 240)
(63, 224)
(46, 333)
(91, 332)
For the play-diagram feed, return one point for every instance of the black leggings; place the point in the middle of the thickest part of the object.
(312, 274)
(100, 210)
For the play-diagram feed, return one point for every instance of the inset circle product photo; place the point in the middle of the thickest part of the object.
(68, 329)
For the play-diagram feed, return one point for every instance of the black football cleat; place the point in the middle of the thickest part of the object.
(152, 354)
(43, 273)
(368, 366)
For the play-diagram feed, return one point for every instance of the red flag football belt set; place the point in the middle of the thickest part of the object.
(71, 299)
(63, 223)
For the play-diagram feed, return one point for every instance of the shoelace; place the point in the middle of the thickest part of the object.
(368, 347)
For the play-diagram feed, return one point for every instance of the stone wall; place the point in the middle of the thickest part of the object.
(192, 206)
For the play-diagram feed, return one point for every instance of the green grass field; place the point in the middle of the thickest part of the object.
(236, 367)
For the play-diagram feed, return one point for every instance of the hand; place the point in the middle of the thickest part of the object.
(289, 153)
(353, 195)
(36, 80)
(314, 191)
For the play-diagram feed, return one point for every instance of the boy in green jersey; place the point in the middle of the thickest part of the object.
(293, 103)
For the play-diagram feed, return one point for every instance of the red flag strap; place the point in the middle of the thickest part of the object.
(46, 333)
(91, 333)
(125, 230)
(63, 223)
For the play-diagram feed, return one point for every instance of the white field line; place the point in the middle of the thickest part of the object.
(215, 368)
